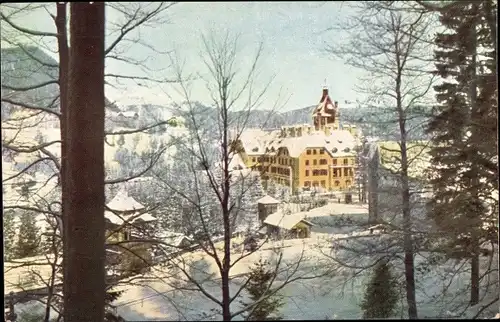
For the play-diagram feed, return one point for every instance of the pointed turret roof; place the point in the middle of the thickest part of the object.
(123, 202)
(325, 106)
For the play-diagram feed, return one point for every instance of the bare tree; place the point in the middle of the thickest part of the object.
(36, 91)
(215, 186)
(389, 46)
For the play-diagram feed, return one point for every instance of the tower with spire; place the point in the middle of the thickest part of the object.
(326, 113)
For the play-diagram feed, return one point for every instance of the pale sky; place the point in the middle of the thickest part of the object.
(292, 34)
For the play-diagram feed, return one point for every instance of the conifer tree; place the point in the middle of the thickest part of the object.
(267, 308)
(28, 236)
(465, 172)
(380, 297)
(9, 234)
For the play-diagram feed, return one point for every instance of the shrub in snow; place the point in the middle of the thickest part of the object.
(381, 295)
(261, 275)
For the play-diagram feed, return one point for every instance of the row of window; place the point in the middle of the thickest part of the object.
(281, 171)
(322, 183)
(336, 172)
(273, 160)
(313, 151)
(325, 161)
(290, 161)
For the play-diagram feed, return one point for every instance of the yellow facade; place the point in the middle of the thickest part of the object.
(314, 165)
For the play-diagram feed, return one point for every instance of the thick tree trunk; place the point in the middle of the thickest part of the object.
(62, 43)
(84, 285)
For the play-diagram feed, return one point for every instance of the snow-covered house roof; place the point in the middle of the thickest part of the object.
(119, 219)
(338, 143)
(174, 239)
(123, 202)
(281, 220)
(268, 200)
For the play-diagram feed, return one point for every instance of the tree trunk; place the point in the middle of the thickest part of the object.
(474, 273)
(226, 262)
(84, 286)
(405, 196)
(62, 43)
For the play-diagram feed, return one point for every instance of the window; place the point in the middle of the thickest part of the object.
(259, 159)
(307, 183)
(323, 183)
(321, 151)
(253, 159)
(351, 173)
(346, 161)
(335, 173)
(315, 172)
(315, 162)
(308, 152)
(314, 151)
(323, 172)
(334, 161)
(307, 173)
(346, 172)
(266, 159)
(323, 161)
(307, 162)
(337, 183)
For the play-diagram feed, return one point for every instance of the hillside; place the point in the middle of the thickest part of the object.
(374, 121)
(29, 76)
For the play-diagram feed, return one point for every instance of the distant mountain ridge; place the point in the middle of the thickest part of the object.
(373, 121)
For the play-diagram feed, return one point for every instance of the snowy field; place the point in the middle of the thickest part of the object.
(333, 296)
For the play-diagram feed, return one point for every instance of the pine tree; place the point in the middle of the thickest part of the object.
(110, 310)
(9, 234)
(381, 293)
(267, 309)
(28, 236)
(464, 171)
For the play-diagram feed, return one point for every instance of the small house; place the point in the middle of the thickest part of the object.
(127, 218)
(267, 205)
(290, 226)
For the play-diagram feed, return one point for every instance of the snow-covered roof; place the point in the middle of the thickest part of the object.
(336, 143)
(173, 239)
(123, 202)
(282, 220)
(119, 219)
(268, 200)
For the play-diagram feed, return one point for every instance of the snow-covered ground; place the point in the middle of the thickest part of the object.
(336, 295)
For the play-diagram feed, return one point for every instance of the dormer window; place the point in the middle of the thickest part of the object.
(255, 149)
(346, 150)
(334, 150)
